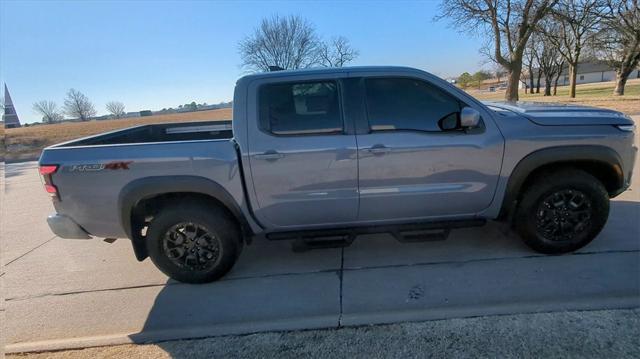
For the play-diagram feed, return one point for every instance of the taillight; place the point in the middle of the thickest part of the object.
(47, 171)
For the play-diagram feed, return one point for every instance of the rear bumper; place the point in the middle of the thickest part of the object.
(64, 227)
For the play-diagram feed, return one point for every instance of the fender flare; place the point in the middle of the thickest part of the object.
(562, 154)
(147, 187)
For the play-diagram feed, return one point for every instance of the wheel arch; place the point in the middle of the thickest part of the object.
(602, 162)
(146, 189)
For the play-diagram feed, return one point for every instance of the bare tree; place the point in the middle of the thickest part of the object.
(537, 53)
(618, 42)
(538, 77)
(559, 65)
(536, 46)
(549, 59)
(337, 52)
(77, 105)
(528, 60)
(548, 66)
(578, 22)
(48, 110)
(286, 42)
(523, 81)
(498, 71)
(509, 24)
(115, 108)
(531, 60)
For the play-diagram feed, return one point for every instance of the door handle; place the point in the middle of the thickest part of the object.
(270, 155)
(378, 149)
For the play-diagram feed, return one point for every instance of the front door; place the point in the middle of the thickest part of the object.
(303, 162)
(409, 167)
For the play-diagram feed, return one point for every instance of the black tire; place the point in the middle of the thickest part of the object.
(189, 222)
(562, 211)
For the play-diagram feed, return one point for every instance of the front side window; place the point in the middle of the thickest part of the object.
(408, 104)
(300, 108)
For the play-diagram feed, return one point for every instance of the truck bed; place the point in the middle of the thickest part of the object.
(164, 132)
(89, 189)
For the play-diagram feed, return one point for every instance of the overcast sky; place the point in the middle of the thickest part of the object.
(151, 55)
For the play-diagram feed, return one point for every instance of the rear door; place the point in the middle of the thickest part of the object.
(409, 167)
(302, 153)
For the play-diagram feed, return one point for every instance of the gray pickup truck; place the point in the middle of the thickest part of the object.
(320, 156)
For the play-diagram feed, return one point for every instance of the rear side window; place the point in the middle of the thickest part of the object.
(300, 108)
(407, 104)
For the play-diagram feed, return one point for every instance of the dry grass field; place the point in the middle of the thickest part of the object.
(597, 95)
(27, 142)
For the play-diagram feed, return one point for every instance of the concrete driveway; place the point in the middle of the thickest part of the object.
(67, 293)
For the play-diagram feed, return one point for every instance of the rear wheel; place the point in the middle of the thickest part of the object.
(193, 242)
(562, 211)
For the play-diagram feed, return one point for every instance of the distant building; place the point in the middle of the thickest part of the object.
(9, 117)
(492, 84)
(588, 72)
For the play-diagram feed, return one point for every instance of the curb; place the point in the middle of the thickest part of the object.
(319, 322)
(323, 322)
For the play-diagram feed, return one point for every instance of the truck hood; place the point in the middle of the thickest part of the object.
(557, 114)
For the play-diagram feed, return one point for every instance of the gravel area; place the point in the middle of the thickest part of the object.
(592, 334)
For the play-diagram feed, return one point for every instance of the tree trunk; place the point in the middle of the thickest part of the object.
(621, 81)
(555, 83)
(547, 85)
(622, 74)
(573, 75)
(531, 82)
(511, 95)
(538, 81)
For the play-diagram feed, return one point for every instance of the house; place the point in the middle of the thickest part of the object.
(494, 84)
(9, 117)
(588, 72)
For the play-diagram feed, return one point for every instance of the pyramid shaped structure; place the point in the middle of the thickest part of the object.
(9, 117)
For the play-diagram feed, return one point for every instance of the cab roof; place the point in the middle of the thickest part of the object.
(329, 70)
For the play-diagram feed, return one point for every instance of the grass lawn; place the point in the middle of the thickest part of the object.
(598, 95)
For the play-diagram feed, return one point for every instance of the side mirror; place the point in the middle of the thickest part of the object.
(469, 118)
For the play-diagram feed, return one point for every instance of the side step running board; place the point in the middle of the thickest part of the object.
(425, 235)
(342, 237)
(306, 244)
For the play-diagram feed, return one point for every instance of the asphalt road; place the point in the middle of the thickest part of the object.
(68, 293)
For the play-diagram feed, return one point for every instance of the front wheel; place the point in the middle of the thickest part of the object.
(193, 242)
(562, 211)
